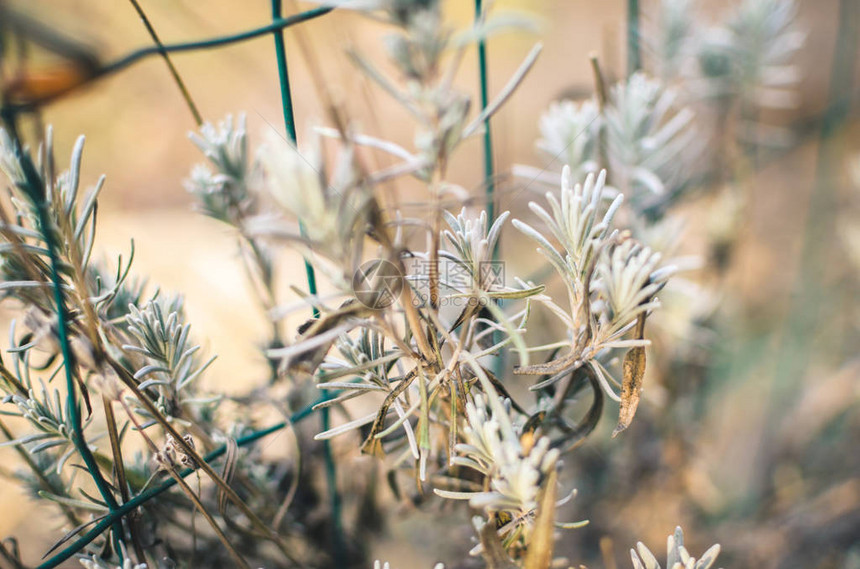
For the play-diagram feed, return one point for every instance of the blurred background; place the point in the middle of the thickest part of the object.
(749, 438)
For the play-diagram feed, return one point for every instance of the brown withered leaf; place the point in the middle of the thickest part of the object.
(493, 551)
(231, 459)
(373, 445)
(634, 373)
(308, 361)
(539, 555)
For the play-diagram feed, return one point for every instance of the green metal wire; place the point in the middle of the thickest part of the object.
(634, 51)
(286, 94)
(147, 495)
(325, 416)
(34, 185)
(289, 120)
(276, 25)
(222, 41)
(489, 169)
(116, 511)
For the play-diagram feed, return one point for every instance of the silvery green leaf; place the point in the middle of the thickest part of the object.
(647, 557)
(709, 557)
(26, 439)
(48, 445)
(494, 25)
(516, 294)
(71, 502)
(570, 134)
(74, 177)
(673, 543)
(346, 427)
(546, 247)
(637, 563)
(505, 93)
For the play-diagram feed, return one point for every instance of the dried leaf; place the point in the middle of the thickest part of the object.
(539, 555)
(634, 372)
(316, 337)
(516, 294)
(231, 459)
(492, 550)
(373, 445)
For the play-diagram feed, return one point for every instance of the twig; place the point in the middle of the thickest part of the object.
(166, 463)
(175, 74)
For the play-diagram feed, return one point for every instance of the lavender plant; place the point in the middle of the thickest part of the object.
(422, 359)
(712, 109)
(676, 555)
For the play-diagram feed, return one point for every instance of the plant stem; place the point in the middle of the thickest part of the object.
(167, 464)
(128, 380)
(12, 559)
(44, 481)
(121, 479)
(173, 72)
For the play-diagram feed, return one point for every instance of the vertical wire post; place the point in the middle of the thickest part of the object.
(489, 169)
(634, 50)
(325, 416)
(33, 186)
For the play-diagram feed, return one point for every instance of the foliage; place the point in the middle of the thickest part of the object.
(433, 378)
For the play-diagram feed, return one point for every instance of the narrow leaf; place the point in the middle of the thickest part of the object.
(634, 373)
(492, 550)
(539, 555)
(517, 294)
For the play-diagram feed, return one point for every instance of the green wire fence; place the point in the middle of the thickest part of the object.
(325, 413)
(117, 511)
(113, 519)
(134, 503)
(9, 114)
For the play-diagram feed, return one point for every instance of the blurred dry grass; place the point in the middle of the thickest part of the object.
(136, 125)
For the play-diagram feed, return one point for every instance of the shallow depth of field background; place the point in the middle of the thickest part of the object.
(774, 471)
